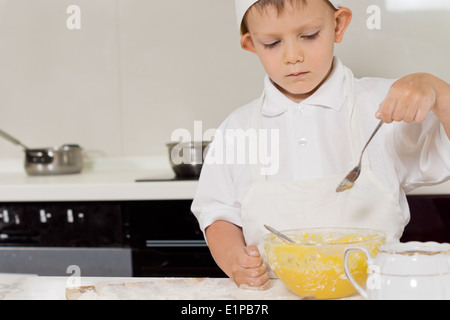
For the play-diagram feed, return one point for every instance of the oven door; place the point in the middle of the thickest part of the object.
(167, 241)
(175, 258)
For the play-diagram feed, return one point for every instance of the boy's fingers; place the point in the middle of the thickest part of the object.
(251, 258)
(264, 286)
(387, 109)
(399, 112)
(250, 271)
(410, 115)
(257, 279)
(249, 262)
(408, 100)
(421, 115)
(252, 251)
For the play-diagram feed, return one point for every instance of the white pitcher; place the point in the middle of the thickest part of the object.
(406, 271)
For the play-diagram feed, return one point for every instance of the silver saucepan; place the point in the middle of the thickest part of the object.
(67, 159)
(186, 158)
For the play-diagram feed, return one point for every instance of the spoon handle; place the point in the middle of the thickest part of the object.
(371, 137)
(279, 234)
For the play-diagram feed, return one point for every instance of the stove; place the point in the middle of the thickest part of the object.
(155, 238)
(165, 177)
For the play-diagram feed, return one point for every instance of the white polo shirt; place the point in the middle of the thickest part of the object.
(314, 142)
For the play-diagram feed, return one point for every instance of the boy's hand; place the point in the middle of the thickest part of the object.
(410, 99)
(248, 269)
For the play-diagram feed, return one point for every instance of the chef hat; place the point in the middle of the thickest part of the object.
(242, 7)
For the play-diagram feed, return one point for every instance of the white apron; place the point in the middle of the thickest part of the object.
(311, 203)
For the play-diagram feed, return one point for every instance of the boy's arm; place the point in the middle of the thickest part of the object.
(412, 97)
(442, 106)
(243, 264)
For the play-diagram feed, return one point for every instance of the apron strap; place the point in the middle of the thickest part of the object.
(256, 124)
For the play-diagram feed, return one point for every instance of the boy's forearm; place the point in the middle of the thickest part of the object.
(224, 238)
(442, 105)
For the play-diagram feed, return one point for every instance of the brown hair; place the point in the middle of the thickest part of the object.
(278, 4)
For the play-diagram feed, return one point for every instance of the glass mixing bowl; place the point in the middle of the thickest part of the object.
(313, 266)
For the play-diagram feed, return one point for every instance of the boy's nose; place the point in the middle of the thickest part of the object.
(293, 54)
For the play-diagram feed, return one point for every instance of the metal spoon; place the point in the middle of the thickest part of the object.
(349, 180)
(279, 234)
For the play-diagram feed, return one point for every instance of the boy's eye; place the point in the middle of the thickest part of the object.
(271, 45)
(311, 37)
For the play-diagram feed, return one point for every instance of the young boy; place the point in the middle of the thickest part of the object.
(323, 117)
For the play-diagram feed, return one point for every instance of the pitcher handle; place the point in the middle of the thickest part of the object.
(355, 284)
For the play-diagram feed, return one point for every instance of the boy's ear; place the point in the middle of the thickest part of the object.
(247, 43)
(342, 17)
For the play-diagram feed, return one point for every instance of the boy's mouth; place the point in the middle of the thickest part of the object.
(298, 74)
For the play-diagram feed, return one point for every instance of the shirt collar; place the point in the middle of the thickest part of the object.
(331, 94)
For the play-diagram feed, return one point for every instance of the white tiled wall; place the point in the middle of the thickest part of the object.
(180, 62)
(59, 86)
(413, 37)
(134, 72)
(138, 69)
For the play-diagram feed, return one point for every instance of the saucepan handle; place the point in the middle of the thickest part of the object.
(355, 284)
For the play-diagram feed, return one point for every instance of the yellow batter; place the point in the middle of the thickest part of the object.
(317, 268)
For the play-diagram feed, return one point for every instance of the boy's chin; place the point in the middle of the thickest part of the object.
(297, 93)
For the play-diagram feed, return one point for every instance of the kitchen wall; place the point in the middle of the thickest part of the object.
(138, 69)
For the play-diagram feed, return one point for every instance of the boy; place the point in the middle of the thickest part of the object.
(323, 117)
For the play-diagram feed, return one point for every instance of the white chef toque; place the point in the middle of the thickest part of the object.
(242, 7)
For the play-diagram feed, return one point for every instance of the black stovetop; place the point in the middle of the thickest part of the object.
(166, 178)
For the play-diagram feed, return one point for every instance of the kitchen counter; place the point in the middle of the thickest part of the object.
(113, 179)
(31, 287)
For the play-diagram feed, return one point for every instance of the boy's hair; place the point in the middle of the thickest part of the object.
(278, 4)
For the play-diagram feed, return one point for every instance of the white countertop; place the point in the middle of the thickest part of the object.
(112, 179)
(32, 287)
